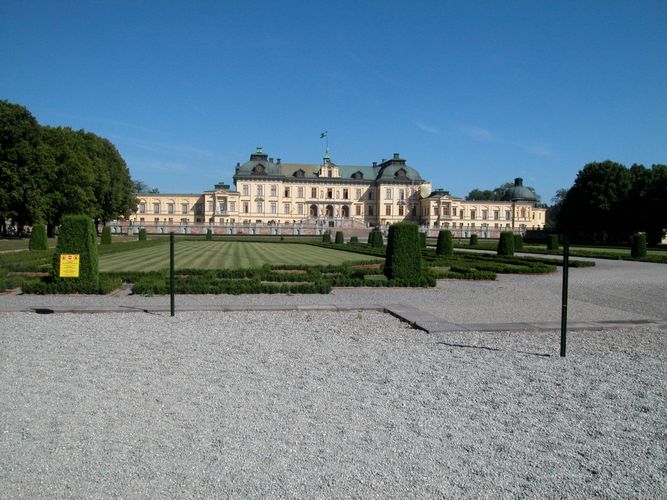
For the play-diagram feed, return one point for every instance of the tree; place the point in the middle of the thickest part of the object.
(596, 207)
(553, 212)
(142, 187)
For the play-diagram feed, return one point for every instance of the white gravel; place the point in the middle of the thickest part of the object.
(324, 405)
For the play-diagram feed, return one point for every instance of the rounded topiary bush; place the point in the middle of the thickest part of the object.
(403, 259)
(518, 242)
(552, 242)
(78, 236)
(638, 249)
(506, 243)
(375, 239)
(473, 240)
(326, 237)
(422, 240)
(106, 236)
(209, 234)
(445, 245)
(38, 239)
(142, 234)
(340, 238)
(354, 240)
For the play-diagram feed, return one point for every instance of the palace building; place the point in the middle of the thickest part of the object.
(269, 193)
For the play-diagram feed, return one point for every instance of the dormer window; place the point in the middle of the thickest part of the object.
(299, 173)
(400, 174)
(358, 175)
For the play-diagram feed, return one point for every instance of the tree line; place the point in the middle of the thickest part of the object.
(47, 172)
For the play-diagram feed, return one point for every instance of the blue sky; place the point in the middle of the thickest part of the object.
(472, 94)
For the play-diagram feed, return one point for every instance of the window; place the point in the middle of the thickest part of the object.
(523, 213)
(387, 193)
(329, 193)
(142, 220)
(274, 208)
(473, 214)
(170, 208)
(496, 215)
(300, 192)
(346, 194)
(370, 194)
(156, 220)
(329, 173)
(358, 194)
(232, 206)
(462, 213)
(370, 210)
(245, 190)
(171, 220)
(485, 214)
(184, 208)
(507, 215)
(387, 209)
(435, 210)
(286, 193)
(286, 209)
(142, 208)
(245, 207)
(358, 209)
(156, 208)
(400, 210)
(260, 190)
(274, 190)
(445, 210)
(401, 195)
(210, 206)
(299, 209)
(260, 207)
(313, 192)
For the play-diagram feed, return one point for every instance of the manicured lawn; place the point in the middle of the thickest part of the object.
(223, 255)
(20, 244)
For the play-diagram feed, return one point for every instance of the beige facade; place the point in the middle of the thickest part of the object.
(270, 192)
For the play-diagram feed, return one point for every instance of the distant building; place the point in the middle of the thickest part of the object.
(272, 193)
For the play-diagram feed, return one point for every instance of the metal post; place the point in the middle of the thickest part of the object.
(171, 271)
(563, 319)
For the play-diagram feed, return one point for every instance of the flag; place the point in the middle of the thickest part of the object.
(323, 134)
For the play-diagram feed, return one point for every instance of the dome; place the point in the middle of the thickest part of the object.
(518, 192)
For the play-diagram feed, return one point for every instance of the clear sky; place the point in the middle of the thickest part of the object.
(472, 94)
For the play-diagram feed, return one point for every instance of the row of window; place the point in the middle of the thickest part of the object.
(473, 213)
(325, 194)
(170, 208)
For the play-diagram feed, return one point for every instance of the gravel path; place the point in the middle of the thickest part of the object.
(310, 405)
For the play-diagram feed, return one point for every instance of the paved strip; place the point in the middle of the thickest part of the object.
(414, 317)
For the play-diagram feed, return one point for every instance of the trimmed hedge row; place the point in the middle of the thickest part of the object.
(142, 234)
(46, 286)
(38, 238)
(106, 236)
(506, 243)
(78, 236)
(404, 247)
(638, 247)
(340, 238)
(375, 239)
(445, 245)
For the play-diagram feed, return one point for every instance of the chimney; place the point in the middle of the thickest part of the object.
(396, 156)
(375, 164)
(271, 160)
(277, 161)
(518, 182)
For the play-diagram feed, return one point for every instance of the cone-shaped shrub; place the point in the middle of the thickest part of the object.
(106, 236)
(422, 240)
(638, 249)
(403, 258)
(38, 239)
(354, 240)
(142, 234)
(506, 243)
(326, 237)
(77, 236)
(518, 242)
(209, 235)
(375, 239)
(552, 242)
(340, 238)
(445, 245)
(473, 240)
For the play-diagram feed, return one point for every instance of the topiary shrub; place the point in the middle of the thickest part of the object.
(422, 240)
(77, 236)
(209, 235)
(142, 234)
(518, 242)
(375, 239)
(473, 240)
(445, 245)
(326, 237)
(506, 243)
(354, 240)
(638, 249)
(552, 242)
(403, 259)
(340, 238)
(38, 239)
(106, 236)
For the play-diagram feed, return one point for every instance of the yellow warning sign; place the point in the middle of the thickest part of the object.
(69, 265)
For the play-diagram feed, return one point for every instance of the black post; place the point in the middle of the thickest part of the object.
(171, 270)
(563, 319)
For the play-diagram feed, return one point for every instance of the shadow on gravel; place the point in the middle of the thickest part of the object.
(39, 310)
(492, 349)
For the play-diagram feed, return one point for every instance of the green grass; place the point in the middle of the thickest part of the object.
(223, 255)
(20, 244)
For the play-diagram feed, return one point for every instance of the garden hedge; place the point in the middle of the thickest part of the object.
(552, 242)
(638, 249)
(375, 239)
(142, 234)
(473, 240)
(209, 235)
(518, 242)
(106, 236)
(38, 239)
(340, 238)
(506, 243)
(403, 258)
(326, 237)
(78, 236)
(422, 240)
(445, 245)
(354, 240)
